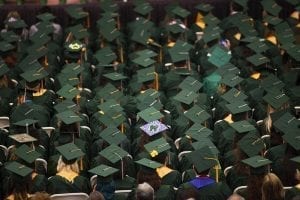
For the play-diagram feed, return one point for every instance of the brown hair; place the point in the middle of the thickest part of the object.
(149, 177)
(40, 196)
(254, 186)
(272, 188)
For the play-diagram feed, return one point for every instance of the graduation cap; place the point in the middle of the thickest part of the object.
(153, 128)
(66, 104)
(3, 68)
(27, 154)
(72, 69)
(273, 20)
(46, 16)
(286, 123)
(197, 131)
(68, 117)
(242, 126)
(231, 80)
(271, 7)
(146, 52)
(251, 144)
(205, 142)
(157, 146)
(68, 91)
(79, 31)
(103, 170)
(9, 36)
(144, 61)
(276, 99)
(296, 160)
(219, 56)
(180, 51)
(18, 168)
(26, 122)
(258, 46)
(112, 135)
(149, 93)
(272, 83)
(143, 9)
(67, 79)
(238, 107)
(258, 164)
(113, 153)
(211, 33)
(110, 32)
(70, 152)
(190, 83)
(242, 3)
(149, 102)
(17, 24)
(148, 165)
(33, 75)
(141, 34)
(258, 59)
(197, 114)
(292, 137)
(23, 138)
(186, 96)
(105, 56)
(109, 92)
(112, 119)
(5, 46)
(76, 12)
(211, 20)
(146, 74)
(176, 27)
(227, 68)
(115, 76)
(110, 106)
(109, 6)
(181, 12)
(204, 7)
(234, 95)
(150, 114)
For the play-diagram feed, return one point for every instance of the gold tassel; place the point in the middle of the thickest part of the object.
(122, 128)
(156, 81)
(121, 54)
(81, 164)
(160, 55)
(217, 167)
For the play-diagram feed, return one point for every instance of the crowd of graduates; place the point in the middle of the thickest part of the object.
(194, 108)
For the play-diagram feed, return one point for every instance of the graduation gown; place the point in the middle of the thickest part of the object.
(291, 193)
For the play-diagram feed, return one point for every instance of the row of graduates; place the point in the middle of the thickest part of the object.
(170, 93)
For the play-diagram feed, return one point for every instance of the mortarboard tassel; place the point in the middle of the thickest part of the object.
(217, 167)
(156, 81)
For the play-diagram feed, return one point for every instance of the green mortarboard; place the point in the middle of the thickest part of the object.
(149, 93)
(190, 83)
(113, 153)
(197, 114)
(9, 36)
(205, 7)
(105, 56)
(231, 80)
(148, 164)
(103, 170)
(150, 114)
(23, 138)
(76, 12)
(180, 51)
(272, 82)
(70, 152)
(242, 3)
(141, 34)
(258, 59)
(219, 56)
(115, 76)
(296, 159)
(149, 102)
(197, 131)
(45, 16)
(17, 24)
(148, 53)
(276, 99)
(72, 69)
(68, 117)
(271, 7)
(112, 135)
(18, 168)
(39, 39)
(274, 20)
(5, 46)
(211, 34)
(234, 95)
(186, 96)
(68, 91)
(286, 123)
(29, 63)
(27, 154)
(176, 27)
(143, 61)
(257, 164)
(109, 6)
(251, 144)
(110, 32)
(258, 46)
(33, 75)
(3, 68)
(203, 159)
(293, 138)
(68, 79)
(227, 68)
(153, 128)
(66, 104)
(238, 107)
(79, 31)
(242, 126)
(112, 119)
(146, 74)
(181, 12)
(205, 142)
(143, 8)
(110, 106)
(109, 92)
(157, 146)
(73, 49)
(211, 20)
(26, 122)
(293, 2)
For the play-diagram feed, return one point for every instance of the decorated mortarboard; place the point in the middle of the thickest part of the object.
(197, 131)
(73, 47)
(68, 91)
(112, 135)
(113, 153)
(103, 170)
(27, 154)
(26, 122)
(146, 74)
(45, 16)
(70, 152)
(105, 56)
(286, 123)
(144, 8)
(79, 31)
(258, 46)
(238, 107)
(33, 75)
(181, 12)
(5, 46)
(18, 168)
(205, 142)
(186, 96)
(157, 146)
(205, 7)
(110, 106)
(242, 126)
(219, 56)
(234, 95)
(257, 164)
(251, 144)
(9, 36)
(150, 114)
(271, 7)
(66, 104)
(258, 59)
(153, 128)
(3, 68)
(197, 114)
(190, 83)
(276, 99)
(23, 138)
(231, 80)
(180, 51)
(68, 117)
(148, 164)
(76, 12)
(17, 24)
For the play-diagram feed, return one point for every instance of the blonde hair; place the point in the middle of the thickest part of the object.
(61, 165)
(272, 188)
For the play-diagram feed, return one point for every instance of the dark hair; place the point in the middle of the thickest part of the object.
(150, 177)
(19, 186)
(239, 166)
(40, 196)
(96, 195)
(186, 193)
(254, 186)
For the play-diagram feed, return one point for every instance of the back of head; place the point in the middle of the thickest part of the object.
(96, 195)
(235, 197)
(144, 191)
(272, 188)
